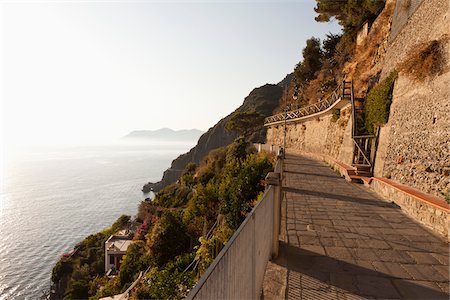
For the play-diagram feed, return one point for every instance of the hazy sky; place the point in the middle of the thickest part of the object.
(84, 71)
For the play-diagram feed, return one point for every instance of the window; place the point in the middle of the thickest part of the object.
(111, 259)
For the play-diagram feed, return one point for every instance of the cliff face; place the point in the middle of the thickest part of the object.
(263, 100)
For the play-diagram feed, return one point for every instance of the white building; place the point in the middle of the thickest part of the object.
(115, 248)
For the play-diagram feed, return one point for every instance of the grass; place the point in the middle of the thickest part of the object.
(427, 60)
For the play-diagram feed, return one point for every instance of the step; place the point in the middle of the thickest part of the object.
(362, 168)
(361, 165)
(356, 179)
(367, 174)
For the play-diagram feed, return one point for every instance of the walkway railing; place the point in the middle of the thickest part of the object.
(238, 270)
(342, 91)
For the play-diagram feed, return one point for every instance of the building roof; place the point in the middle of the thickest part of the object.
(118, 243)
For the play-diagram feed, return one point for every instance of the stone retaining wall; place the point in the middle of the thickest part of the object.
(432, 216)
(414, 146)
(321, 135)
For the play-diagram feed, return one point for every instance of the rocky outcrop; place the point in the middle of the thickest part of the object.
(263, 100)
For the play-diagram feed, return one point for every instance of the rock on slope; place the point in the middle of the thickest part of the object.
(263, 100)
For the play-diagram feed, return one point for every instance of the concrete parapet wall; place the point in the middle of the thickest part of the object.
(238, 271)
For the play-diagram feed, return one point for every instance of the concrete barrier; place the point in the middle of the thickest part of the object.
(238, 270)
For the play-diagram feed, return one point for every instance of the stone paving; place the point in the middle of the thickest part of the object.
(342, 241)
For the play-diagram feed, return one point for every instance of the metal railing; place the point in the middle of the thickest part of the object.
(238, 270)
(275, 149)
(342, 91)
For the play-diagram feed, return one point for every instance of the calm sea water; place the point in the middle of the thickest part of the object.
(53, 198)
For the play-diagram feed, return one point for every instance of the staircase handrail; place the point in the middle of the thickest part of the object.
(312, 108)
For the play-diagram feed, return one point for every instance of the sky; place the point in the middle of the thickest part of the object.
(92, 71)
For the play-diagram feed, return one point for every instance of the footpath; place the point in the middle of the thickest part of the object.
(342, 241)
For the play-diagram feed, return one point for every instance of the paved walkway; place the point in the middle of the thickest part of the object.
(342, 241)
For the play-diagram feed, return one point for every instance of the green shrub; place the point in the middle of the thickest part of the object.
(336, 115)
(378, 103)
(168, 238)
(169, 282)
(174, 195)
(134, 261)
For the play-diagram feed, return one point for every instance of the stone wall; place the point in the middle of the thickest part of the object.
(403, 11)
(321, 135)
(414, 146)
(433, 216)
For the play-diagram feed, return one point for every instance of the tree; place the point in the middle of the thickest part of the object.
(312, 61)
(168, 238)
(329, 45)
(135, 260)
(351, 14)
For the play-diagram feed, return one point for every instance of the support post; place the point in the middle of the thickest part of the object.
(273, 179)
(284, 140)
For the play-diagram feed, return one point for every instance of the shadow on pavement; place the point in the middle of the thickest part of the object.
(313, 275)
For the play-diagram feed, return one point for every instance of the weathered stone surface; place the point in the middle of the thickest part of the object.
(418, 130)
(400, 259)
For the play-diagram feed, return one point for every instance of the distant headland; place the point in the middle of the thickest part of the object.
(164, 134)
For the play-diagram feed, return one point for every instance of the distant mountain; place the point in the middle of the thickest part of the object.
(164, 134)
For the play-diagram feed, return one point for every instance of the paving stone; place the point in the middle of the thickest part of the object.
(314, 249)
(344, 281)
(364, 254)
(366, 230)
(338, 252)
(326, 264)
(424, 273)
(377, 287)
(423, 258)
(350, 243)
(404, 246)
(411, 289)
(373, 244)
(340, 247)
(444, 286)
(358, 267)
(444, 270)
(394, 256)
(308, 240)
(327, 242)
(300, 227)
(442, 258)
(327, 234)
(391, 269)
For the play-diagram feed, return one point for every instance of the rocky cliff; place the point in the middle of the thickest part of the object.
(263, 99)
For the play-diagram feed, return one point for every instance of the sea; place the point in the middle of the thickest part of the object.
(53, 197)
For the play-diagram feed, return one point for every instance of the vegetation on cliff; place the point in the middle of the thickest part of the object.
(351, 14)
(378, 103)
(176, 236)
